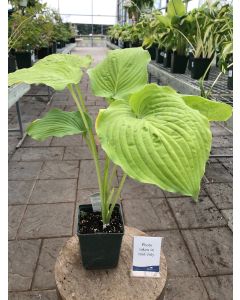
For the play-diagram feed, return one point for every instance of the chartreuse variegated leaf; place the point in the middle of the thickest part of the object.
(120, 74)
(213, 110)
(58, 123)
(56, 71)
(156, 138)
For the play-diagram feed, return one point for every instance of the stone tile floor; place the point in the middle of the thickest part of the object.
(48, 180)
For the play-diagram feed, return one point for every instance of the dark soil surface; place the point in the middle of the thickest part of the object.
(91, 222)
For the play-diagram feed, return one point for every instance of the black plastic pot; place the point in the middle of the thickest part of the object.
(159, 55)
(136, 44)
(167, 58)
(99, 250)
(54, 47)
(59, 45)
(230, 78)
(178, 63)
(190, 59)
(43, 52)
(50, 49)
(152, 51)
(23, 60)
(199, 67)
(11, 63)
(126, 44)
(112, 40)
(217, 60)
(72, 40)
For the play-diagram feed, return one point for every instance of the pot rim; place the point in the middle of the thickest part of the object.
(101, 233)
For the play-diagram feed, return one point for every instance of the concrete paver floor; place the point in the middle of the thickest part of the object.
(47, 181)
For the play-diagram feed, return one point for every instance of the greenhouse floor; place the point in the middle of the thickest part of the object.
(48, 180)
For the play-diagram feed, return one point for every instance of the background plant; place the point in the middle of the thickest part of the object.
(135, 8)
(22, 28)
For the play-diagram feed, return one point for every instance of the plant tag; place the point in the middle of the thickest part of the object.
(96, 202)
(230, 73)
(33, 57)
(192, 64)
(146, 256)
(165, 55)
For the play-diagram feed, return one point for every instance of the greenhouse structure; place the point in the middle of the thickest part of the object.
(120, 150)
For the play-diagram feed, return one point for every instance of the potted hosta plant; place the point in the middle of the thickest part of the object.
(201, 39)
(46, 32)
(174, 24)
(224, 41)
(24, 38)
(125, 37)
(151, 132)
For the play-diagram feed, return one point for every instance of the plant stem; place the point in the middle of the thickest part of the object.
(116, 197)
(80, 97)
(112, 176)
(201, 80)
(186, 39)
(105, 185)
(210, 89)
(109, 199)
(93, 148)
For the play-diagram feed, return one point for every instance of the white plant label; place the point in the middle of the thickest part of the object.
(33, 57)
(192, 64)
(165, 55)
(230, 73)
(146, 256)
(96, 202)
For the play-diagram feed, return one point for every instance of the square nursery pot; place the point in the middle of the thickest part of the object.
(136, 44)
(152, 51)
(230, 78)
(178, 63)
(54, 47)
(126, 44)
(43, 52)
(50, 49)
(11, 63)
(24, 59)
(190, 59)
(63, 44)
(99, 250)
(199, 67)
(159, 55)
(59, 45)
(72, 40)
(167, 59)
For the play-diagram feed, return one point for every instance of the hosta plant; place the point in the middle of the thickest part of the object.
(151, 132)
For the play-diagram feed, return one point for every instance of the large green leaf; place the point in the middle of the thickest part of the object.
(176, 8)
(56, 71)
(156, 138)
(213, 110)
(57, 123)
(120, 74)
